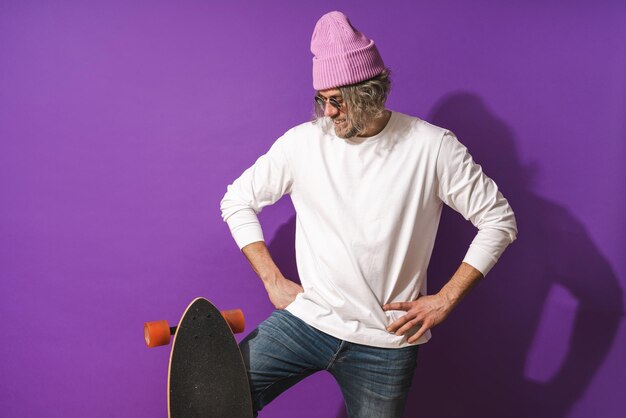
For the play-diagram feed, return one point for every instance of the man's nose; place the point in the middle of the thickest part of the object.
(330, 110)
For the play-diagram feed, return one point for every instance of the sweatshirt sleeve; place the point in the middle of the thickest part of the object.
(465, 188)
(261, 185)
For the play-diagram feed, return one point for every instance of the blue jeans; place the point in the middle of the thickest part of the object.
(284, 350)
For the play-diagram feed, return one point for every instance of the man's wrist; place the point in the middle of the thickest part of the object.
(463, 280)
(450, 298)
(271, 278)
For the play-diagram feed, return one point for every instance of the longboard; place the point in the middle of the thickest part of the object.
(207, 376)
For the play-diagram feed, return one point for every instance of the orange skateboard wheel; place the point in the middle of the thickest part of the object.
(156, 333)
(235, 320)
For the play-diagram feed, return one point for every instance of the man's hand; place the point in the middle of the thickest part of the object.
(426, 311)
(282, 292)
(429, 311)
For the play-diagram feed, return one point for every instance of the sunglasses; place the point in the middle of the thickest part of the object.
(321, 102)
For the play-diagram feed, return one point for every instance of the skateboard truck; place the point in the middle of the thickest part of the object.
(158, 333)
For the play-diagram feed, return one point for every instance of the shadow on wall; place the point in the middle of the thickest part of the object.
(283, 249)
(528, 340)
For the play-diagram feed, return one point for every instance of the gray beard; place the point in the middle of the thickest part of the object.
(351, 133)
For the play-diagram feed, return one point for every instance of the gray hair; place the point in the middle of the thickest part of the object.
(363, 101)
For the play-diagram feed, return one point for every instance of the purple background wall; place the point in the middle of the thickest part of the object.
(121, 123)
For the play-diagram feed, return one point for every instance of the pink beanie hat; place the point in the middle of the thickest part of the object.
(341, 54)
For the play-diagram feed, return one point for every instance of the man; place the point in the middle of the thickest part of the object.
(368, 186)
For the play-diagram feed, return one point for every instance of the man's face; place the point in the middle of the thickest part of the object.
(343, 127)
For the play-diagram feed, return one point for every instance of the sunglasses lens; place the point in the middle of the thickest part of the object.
(322, 103)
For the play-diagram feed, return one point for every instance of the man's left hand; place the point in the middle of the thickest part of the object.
(426, 311)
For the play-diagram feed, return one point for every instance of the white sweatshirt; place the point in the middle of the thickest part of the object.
(367, 216)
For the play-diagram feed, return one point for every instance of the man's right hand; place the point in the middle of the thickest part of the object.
(282, 292)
